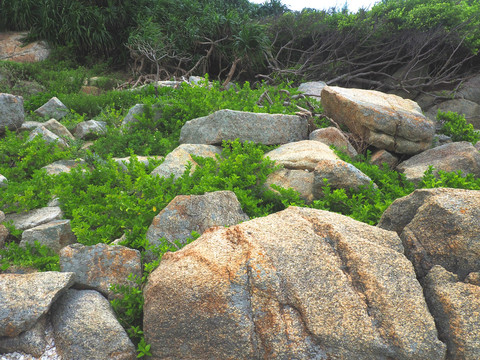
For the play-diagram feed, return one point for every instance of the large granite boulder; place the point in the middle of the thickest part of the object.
(85, 327)
(312, 88)
(48, 136)
(268, 129)
(455, 156)
(382, 120)
(333, 136)
(176, 161)
(26, 298)
(456, 308)
(438, 227)
(91, 129)
(298, 284)
(187, 213)
(58, 129)
(12, 115)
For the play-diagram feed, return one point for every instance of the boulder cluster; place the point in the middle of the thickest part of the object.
(297, 284)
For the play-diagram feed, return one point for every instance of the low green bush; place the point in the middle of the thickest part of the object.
(455, 126)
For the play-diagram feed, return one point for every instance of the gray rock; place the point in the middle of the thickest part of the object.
(3, 181)
(456, 308)
(449, 157)
(298, 284)
(62, 166)
(137, 111)
(469, 109)
(470, 89)
(85, 327)
(438, 227)
(441, 139)
(31, 341)
(312, 88)
(12, 114)
(176, 162)
(268, 129)
(333, 136)
(56, 235)
(384, 121)
(48, 136)
(58, 129)
(53, 108)
(2, 216)
(30, 219)
(91, 129)
(187, 213)
(30, 125)
(25, 298)
(99, 266)
(3, 235)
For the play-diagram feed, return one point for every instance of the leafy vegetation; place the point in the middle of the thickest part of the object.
(231, 40)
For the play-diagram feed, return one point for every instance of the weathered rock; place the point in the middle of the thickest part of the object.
(438, 227)
(91, 129)
(456, 308)
(145, 160)
(3, 181)
(3, 235)
(12, 114)
(31, 341)
(187, 213)
(300, 180)
(63, 166)
(25, 298)
(99, 266)
(340, 175)
(469, 109)
(449, 157)
(12, 48)
(473, 278)
(85, 327)
(137, 111)
(384, 121)
(381, 157)
(56, 235)
(30, 219)
(312, 88)
(301, 155)
(268, 129)
(58, 129)
(317, 161)
(333, 136)
(30, 125)
(176, 162)
(53, 108)
(441, 139)
(298, 284)
(91, 90)
(2, 216)
(470, 89)
(48, 136)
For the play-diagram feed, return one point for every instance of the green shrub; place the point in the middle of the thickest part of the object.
(38, 257)
(455, 126)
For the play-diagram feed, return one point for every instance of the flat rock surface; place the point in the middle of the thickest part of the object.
(25, 298)
(30, 219)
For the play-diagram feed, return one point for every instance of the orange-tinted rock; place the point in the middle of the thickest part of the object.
(12, 48)
(298, 284)
(382, 120)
